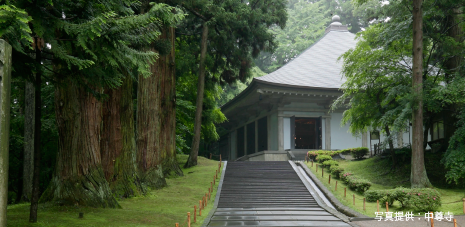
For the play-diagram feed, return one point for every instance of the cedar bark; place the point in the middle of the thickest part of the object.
(418, 176)
(156, 120)
(118, 145)
(192, 160)
(167, 136)
(78, 178)
(28, 161)
(37, 133)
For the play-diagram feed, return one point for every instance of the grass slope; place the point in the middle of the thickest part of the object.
(163, 207)
(374, 170)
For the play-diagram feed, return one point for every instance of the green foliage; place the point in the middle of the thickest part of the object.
(424, 199)
(344, 176)
(330, 163)
(357, 184)
(306, 25)
(454, 158)
(231, 90)
(336, 170)
(313, 154)
(321, 158)
(373, 195)
(359, 152)
(14, 26)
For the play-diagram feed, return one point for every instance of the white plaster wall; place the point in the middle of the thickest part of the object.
(287, 132)
(323, 133)
(273, 132)
(405, 138)
(341, 138)
(233, 145)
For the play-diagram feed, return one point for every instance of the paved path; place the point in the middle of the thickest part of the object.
(267, 194)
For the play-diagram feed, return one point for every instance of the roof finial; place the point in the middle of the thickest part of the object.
(336, 20)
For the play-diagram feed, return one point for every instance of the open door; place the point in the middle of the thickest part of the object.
(319, 137)
(292, 132)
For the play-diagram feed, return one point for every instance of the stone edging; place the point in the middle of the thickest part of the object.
(217, 197)
(339, 206)
(317, 197)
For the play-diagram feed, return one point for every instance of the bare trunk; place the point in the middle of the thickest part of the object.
(28, 161)
(192, 160)
(118, 145)
(418, 176)
(391, 147)
(37, 128)
(78, 178)
(167, 95)
(5, 99)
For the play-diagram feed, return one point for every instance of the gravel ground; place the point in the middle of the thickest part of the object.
(417, 223)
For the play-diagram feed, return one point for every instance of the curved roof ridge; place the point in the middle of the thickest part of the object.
(317, 66)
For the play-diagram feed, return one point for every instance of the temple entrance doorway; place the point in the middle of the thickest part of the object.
(306, 133)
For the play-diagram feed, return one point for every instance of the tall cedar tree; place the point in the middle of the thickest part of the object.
(156, 118)
(89, 50)
(237, 32)
(418, 177)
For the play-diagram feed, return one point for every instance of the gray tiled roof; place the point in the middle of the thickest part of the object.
(317, 66)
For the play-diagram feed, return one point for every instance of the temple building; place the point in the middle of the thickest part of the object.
(288, 109)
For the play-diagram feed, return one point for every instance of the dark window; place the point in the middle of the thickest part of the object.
(437, 131)
(262, 134)
(240, 142)
(251, 138)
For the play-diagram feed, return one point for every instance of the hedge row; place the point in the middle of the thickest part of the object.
(322, 158)
(329, 163)
(337, 170)
(354, 182)
(358, 152)
(313, 154)
(423, 199)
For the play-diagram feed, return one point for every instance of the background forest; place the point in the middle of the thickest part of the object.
(76, 64)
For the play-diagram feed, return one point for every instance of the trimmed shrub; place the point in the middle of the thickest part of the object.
(343, 176)
(313, 154)
(373, 195)
(423, 199)
(321, 158)
(337, 170)
(358, 184)
(330, 163)
(358, 152)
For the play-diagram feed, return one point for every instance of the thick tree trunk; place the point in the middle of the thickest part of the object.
(118, 144)
(167, 95)
(28, 161)
(37, 134)
(5, 99)
(192, 160)
(156, 97)
(78, 178)
(418, 176)
(391, 147)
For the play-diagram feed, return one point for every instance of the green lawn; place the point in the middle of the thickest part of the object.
(375, 170)
(162, 207)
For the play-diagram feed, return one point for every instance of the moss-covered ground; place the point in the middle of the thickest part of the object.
(163, 207)
(376, 170)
